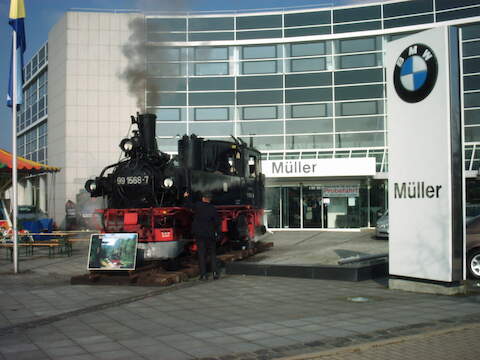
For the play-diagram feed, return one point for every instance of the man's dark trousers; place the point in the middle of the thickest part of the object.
(206, 248)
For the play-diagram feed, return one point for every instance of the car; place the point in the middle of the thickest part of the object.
(472, 241)
(28, 213)
(473, 247)
(381, 230)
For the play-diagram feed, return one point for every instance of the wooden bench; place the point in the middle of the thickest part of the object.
(9, 247)
(60, 244)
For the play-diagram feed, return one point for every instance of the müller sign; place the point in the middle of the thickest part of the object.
(415, 190)
(319, 167)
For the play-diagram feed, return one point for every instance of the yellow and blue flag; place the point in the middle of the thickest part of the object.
(16, 21)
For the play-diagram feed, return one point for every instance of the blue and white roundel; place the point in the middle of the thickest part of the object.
(415, 73)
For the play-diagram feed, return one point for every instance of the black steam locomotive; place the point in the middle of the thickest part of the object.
(144, 191)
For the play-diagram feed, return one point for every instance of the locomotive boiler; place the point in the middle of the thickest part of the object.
(144, 191)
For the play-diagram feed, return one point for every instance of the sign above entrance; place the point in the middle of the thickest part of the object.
(319, 167)
(351, 191)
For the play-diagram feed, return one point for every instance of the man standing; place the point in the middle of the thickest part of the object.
(205, 226)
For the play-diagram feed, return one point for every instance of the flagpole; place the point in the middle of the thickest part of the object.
(14, 148)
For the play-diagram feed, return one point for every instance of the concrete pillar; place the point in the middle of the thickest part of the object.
(21, 189)
(42, 201)
(28, 193)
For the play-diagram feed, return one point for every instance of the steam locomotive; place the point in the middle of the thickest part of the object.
(144, 191)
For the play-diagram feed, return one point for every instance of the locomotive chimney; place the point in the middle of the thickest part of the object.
(146, 127)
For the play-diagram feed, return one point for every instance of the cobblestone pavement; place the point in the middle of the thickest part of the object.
(236, 318)
(458, 343)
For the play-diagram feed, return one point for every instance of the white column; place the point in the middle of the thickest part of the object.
(21, 191)
(42, 201)
(28, 200)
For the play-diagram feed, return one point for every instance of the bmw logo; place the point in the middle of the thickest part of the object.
(415, 73)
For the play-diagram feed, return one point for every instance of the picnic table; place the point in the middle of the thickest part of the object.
(57, 240)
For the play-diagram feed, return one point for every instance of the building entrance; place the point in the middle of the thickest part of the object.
(324, 205)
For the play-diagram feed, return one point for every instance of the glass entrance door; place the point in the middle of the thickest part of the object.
(312, 207)
(291, 207)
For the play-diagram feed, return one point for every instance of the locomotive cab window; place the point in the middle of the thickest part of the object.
(252, 166)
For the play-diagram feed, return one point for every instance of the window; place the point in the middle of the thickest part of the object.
(205, 24)
(166, 84)
(211, 53)
(308, 111)
(407, 8)
(170, 129)
(359, 92)
(359, 123)
(211, 36)
(308, 49)
(309, 126)
(358, 76)
(307, 80)
(213, 83)
(259, 22)
(308, 95)
(165, 69)
(166, 99)
(211, 69)
(259, 82)
(309, 18)
(265, 34)
(168, 114)
(218, 98)
(259, 52)
(259, 112)
(211, 114)
(156, 24)
(161, 53)
(252, 166)
(212, 129)
(357, 61)
(360, 140)
(259, 97)
(260, 127)
(357, 14)
(259, 67)
(356, 45)
(310, 64)
(359, 108)
(309, 142)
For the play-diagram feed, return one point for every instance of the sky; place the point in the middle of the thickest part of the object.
(41, 15)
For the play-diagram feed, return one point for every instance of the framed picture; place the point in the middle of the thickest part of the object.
(116, 251)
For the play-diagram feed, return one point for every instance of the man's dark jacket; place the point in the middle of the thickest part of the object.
(205, 219)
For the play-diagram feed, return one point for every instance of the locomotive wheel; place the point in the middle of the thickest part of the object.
(242, 227)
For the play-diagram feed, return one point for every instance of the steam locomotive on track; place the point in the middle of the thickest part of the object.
(144, 191)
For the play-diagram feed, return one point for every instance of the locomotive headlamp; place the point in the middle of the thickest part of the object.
(168, 182)
(91, 186)
(126, 145)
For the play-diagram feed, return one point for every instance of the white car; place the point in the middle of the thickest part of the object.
(381, 230)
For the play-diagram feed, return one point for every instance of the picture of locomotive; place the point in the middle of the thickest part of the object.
(144, 191)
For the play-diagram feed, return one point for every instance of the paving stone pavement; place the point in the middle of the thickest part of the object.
(238, 317)
(448, 344)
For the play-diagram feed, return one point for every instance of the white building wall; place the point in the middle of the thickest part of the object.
(89, 105)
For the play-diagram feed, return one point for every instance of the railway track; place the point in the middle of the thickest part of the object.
(160, 273)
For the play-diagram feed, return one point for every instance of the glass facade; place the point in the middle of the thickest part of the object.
(300, 84)
(298, 96)
(32, 116)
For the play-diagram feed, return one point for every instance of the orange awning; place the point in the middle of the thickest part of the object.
(23, 164)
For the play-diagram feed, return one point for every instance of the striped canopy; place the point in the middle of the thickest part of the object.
(23, 165)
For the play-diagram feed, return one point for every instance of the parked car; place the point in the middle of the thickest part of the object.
(472, 241)
(29, 213)
(381, 230)
(473, 247)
